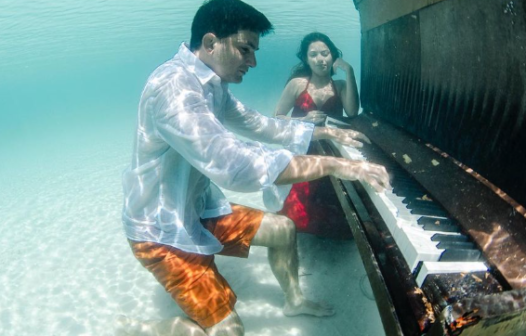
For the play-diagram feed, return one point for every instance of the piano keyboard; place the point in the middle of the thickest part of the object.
(430, 241)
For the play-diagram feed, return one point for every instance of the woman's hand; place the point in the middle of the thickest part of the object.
(316, 117)
(340, 63)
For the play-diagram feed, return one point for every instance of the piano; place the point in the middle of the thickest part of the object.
(444, 251)
(444, 99)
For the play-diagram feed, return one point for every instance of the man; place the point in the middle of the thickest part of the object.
(175, 216)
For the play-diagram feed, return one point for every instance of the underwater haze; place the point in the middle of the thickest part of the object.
(71, 75)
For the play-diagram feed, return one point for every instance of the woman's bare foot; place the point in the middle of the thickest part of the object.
(307, 307)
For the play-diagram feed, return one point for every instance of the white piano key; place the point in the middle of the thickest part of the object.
(413, 241)
(417, 246)
(448, 267)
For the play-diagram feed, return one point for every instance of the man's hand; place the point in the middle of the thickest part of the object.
(316, 117)
(310, 167)
(371, 173)
(345, 137)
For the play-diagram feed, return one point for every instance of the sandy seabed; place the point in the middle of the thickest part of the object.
(67, 268)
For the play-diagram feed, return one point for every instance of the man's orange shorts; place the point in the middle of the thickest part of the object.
(193, 279)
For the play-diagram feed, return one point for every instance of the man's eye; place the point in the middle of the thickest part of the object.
(244, 50)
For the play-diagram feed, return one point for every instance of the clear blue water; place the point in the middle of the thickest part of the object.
(71, 73)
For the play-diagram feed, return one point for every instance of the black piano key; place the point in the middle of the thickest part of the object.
(435, 221)
(439, 224)
(414, 198)
(431, 212)
(459, 245)
(419, 201)
(408, 192)
(405, 181)
(439, 237)
(461, 255)
(404, 186)
(416, 204)
(442, 228)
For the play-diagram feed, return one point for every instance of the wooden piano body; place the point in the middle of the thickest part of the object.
(444, 96)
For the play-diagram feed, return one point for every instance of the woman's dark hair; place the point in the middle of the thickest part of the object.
(226, 17)
(302, 69)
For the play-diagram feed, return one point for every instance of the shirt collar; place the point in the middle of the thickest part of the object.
(194, 64)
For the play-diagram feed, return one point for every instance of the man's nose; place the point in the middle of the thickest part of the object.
(251, 61)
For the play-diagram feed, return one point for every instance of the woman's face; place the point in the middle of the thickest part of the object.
(319, 59)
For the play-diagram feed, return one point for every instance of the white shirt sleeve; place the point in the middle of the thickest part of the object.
(291, 134)
(183, 118)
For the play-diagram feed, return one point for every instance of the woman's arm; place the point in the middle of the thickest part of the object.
(349, 90)
(288, 97)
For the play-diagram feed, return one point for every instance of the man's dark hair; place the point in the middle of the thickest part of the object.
(226, 17)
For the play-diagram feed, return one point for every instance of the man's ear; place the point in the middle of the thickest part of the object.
(209, 40)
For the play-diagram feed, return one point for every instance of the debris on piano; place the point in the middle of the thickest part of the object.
(431, 271)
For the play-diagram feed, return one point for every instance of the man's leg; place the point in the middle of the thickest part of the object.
(179, 326)
(195, 283)
(278, 233)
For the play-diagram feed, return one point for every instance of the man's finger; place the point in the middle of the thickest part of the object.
(363, 137)
(354, 143)
(373, 183)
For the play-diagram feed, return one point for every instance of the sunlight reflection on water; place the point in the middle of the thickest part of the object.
(72, 73)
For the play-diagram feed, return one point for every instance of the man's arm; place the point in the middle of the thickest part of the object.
(310, 167)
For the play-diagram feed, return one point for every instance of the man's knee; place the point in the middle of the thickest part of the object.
(288, 229)
(275, 231)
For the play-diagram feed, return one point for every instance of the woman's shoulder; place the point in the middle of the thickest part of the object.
(299, 81)
(297, 84)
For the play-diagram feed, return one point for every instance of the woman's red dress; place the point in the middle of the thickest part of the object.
(313, 206)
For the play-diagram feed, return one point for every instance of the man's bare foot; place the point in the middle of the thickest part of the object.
(307, 307)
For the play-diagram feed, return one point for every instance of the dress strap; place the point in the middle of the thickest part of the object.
(307, 86)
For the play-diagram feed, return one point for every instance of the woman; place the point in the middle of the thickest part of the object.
(312, 95)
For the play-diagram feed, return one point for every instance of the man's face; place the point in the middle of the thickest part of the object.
(233, 55)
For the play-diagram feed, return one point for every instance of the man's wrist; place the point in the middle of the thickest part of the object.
(332, 165)
(320, 133)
